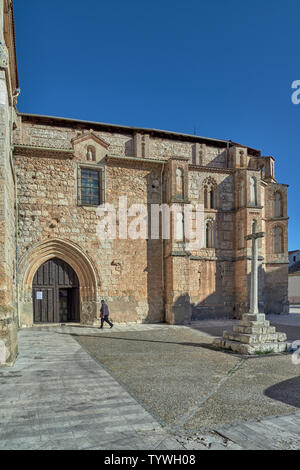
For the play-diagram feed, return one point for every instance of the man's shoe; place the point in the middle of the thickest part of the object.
(111, 326)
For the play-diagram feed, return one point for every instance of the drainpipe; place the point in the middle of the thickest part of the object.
(162, 243)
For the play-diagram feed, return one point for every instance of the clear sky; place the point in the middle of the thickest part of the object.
(222, 67)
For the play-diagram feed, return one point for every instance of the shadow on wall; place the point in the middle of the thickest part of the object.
(287, 392)
(220, 300)
(154, 269)
(209, 308)
(221, 304)
(275, 290)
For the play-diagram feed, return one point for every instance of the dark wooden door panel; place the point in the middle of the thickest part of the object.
(43, 302)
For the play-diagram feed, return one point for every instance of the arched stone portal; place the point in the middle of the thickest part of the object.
(81, 264)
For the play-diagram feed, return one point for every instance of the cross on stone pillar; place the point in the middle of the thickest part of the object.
(254, 269)
(253, 334)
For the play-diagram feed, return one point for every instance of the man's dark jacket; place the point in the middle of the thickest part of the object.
(104, 310)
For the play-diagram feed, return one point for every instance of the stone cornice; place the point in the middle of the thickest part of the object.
(135, 159)
(209, 169)
(277, 262)
(50, 152)
(276, 219)
(179, 158)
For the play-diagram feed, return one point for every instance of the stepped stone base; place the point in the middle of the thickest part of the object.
(253, 335)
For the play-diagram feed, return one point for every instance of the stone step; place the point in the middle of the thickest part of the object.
(250, 349)
(258, 324)
(254, 317)
(254, 329)
(254, 338)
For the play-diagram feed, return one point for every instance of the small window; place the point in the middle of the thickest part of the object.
(90, 187)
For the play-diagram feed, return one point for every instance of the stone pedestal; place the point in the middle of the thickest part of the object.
(253, 335)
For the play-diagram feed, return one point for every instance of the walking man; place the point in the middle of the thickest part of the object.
(104, 314)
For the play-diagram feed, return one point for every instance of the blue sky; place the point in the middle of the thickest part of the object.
(222, 67)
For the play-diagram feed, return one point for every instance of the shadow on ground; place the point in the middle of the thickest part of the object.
(287, 392)
(177, 375)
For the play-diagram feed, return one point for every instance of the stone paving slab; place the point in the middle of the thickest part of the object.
(267, 434)
(177, 374)
(57, 396)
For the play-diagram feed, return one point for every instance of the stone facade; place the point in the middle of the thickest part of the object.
(152, 280)
(143, 280)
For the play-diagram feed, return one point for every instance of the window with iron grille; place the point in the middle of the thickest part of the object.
(91, 187)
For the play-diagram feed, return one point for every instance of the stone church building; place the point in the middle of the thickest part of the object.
(56, 172)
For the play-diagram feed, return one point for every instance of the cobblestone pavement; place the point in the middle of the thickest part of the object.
(58, 397)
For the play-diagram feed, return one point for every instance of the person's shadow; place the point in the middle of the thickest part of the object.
(287, 392)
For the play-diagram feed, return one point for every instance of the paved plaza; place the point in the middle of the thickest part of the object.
(147, 387)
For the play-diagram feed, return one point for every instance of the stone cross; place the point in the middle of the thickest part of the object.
(254, 269)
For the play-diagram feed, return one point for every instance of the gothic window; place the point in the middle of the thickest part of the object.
(278, 240)
(209, 234)
(278, 206)
(90, 190)
(91, 154)
(253, 191)
(262, 172)
(209, 194)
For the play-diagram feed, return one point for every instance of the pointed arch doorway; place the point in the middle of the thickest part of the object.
(55, 293)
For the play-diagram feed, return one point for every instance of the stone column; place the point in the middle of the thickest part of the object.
(254, 271)
(254, 277)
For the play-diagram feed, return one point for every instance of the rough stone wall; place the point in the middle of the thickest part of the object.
(52, 136)
(8, 313)
(129, 270)
(276, 264)
(212, 270)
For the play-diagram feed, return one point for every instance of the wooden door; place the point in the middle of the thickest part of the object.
(55, 293)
